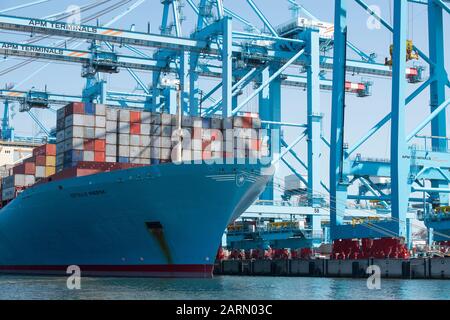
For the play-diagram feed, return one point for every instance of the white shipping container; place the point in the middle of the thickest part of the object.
(216, 146)
(124, 115)
(135, 160)
(79, 120)
(111, 159)
(77, 132)
(111, 114)
(166, 142)
(124, 139)
(124, 151)
(100, 133)
(145, 141)
(19, 180)
(155, 141)
(88, 155)
(111, 138)
(100, 121)
(100, 110)
(111, 150)
(88, 120)
(135, 152)
(145, 128)
(166, 153)
(145, 152)
(111, 126)
(40, 172)
(155, 153)
(29, 180)
(197, 122)
(135, 140)
(197, 144)
(124, 127)
(74, 144)
(89, 133)
(146, 117)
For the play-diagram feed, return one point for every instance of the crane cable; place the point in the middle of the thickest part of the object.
(90, 18)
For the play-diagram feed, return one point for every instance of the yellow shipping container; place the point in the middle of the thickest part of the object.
(50, 161)
(50, 171)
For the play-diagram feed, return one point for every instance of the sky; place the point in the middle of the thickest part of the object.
(361, 113)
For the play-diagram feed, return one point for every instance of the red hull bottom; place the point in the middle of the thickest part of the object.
(150, 271)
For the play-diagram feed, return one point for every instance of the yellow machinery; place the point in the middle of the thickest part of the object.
(411, 53)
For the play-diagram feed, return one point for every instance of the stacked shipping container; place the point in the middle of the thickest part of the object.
(93, 138)
(88, 132)
(41, 165)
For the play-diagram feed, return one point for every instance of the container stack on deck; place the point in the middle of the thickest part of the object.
(99, 133)
(40, 166)
(93, 138)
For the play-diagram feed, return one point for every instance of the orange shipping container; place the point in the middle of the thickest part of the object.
(99, 156)
(135, 117)
(46, 149)
(135, 128)
(100, 145)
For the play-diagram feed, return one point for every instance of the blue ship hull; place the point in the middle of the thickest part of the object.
(162, 221)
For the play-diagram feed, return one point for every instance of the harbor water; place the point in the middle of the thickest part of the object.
(220, 287)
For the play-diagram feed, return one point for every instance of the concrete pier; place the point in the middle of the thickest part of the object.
(424, 268)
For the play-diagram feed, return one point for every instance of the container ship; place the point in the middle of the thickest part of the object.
(115, 195)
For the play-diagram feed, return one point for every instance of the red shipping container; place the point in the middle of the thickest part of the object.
(135, 117)
(99, 156)
(89, 145)
(25, 168)
(46, 149)
(74, 107)
(19, 169)
(247, 122)
(41, 161)
(135, 128)
(100, 145)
